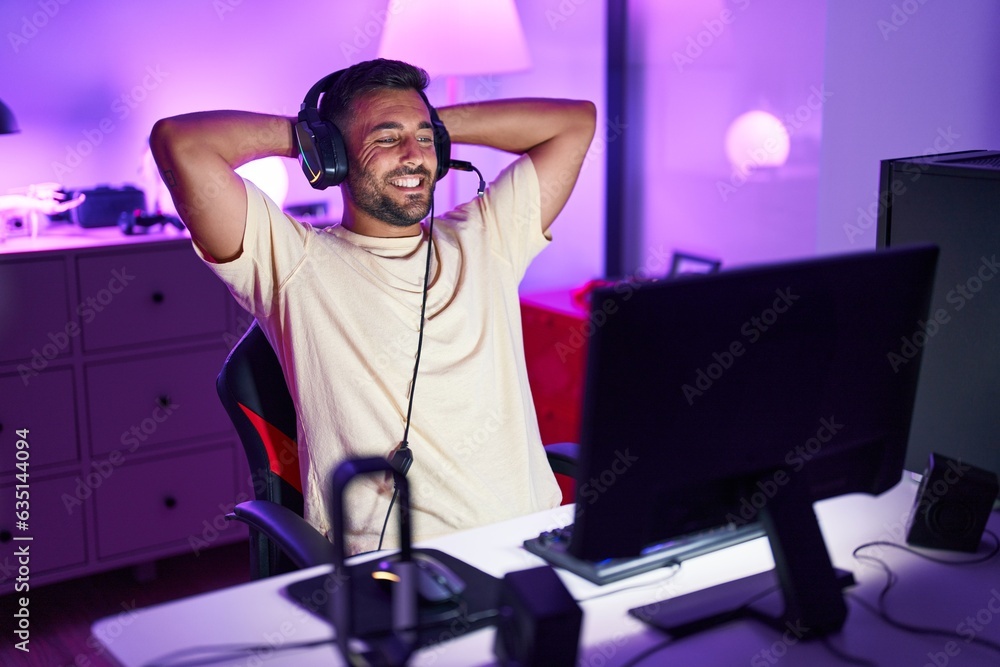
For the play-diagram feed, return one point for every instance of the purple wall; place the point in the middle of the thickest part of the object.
(87, 80)
(696, 67)
(909, 78)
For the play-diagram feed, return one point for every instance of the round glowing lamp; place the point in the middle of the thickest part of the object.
(270, 175)
(756, 139)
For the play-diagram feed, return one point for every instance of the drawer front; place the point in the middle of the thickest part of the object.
(56, 528)
(36, 324)
(47, 408)
(144, 296)
(145, 402)
(159, 503)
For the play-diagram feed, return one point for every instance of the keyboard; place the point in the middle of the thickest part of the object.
(553, 547)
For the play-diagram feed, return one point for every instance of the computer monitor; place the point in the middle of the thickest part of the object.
(952, 201)
(746, 395)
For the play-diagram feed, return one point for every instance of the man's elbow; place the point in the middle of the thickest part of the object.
(588, 110)
(585, 118)
(163, 138)
(174, 138)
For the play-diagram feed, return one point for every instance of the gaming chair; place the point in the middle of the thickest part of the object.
(253, 391)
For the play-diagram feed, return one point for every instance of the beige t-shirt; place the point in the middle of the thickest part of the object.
(343, 313)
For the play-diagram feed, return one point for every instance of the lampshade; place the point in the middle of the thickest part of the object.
(8, 124)
(455, 37)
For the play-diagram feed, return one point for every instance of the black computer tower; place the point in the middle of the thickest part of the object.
(953, 201)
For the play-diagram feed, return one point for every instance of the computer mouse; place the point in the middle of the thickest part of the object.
(436, 582)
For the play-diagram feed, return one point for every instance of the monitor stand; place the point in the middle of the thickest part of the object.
(812, 590)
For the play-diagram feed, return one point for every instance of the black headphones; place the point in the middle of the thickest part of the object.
(322, 152)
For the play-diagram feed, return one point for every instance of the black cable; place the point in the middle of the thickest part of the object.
(420, 335)
(891, 579)
(403, 457)
(740, 611)
(195, 656)
(670, 641)
(385, 523)
(463, 165)
(220, 652)
(674, 569)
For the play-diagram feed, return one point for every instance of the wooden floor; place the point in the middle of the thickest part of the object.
(61, 614)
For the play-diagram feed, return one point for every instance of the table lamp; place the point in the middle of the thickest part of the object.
(8, 124)
(455, 38)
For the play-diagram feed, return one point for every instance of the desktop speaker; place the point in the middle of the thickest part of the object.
(953, 504)
(539, 621)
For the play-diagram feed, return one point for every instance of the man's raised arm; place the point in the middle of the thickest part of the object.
(197, 154)
(555, 133)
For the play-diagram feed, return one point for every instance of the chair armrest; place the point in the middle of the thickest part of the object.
(563, 457)
(302, 543)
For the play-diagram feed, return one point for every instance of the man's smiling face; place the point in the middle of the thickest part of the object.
(392, 163)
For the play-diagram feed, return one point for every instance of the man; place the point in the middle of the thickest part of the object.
(342, 307)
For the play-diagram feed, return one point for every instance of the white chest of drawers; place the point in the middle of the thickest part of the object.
(109, 349)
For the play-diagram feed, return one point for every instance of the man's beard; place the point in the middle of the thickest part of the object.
(375, 201)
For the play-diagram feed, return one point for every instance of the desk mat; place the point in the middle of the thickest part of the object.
(372, 604)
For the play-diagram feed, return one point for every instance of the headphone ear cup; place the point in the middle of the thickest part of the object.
(322, 153)
(442, 144)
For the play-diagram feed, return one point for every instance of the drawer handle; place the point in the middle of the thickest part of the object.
(5, 536)
(158, 297)
(170, 502)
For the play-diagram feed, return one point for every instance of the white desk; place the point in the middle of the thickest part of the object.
(259, 613)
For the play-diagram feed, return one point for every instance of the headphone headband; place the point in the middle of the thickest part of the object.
(322, 151)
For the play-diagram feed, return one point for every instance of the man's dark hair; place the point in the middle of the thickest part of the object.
(365, 77)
